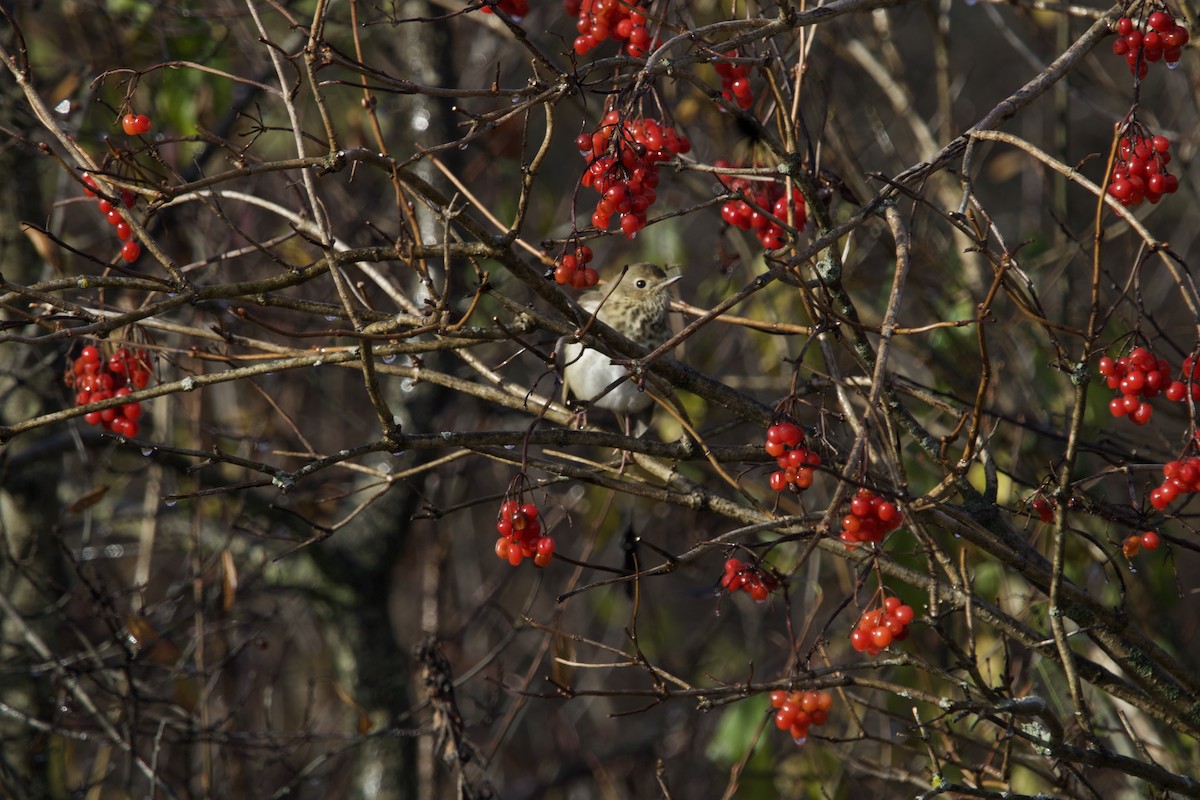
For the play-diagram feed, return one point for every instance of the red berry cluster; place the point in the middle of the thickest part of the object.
(130, 250)
(878, 628)
(1140, 377)
(623, 21)
(572, 269)
(1140, 172)
(785, 443)
(1158, 37)
(623, 158)
(795, 712)
(870, 518)
(749, 579)
(521, 535)
(95, 379)
(735, 81)
(1149, 540)
(1179, 477)
(135, 124)
(766, 195)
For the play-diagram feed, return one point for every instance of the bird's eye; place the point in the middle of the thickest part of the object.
(641, 284)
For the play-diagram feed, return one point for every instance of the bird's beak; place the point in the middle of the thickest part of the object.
(669, 281)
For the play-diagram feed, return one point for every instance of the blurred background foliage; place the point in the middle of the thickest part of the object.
(240, 603)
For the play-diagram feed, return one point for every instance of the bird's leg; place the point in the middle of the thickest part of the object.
(578, 418)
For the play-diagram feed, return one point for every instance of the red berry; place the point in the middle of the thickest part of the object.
(129, 124)
(131, 251)
(1150, 540)
(860, 506)
(881, 637)
(1157, 500)
(630, 225)
(1043, 508)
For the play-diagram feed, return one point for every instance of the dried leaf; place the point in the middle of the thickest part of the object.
(229, 580)
(364, 721)
(87, 500)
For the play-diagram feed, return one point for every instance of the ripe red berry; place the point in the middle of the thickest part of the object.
(1043, 508)
(881, 637)
(903, 614)
(131, 251)
(1150, 540)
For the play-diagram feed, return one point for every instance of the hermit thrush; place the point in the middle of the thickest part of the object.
(636, 308)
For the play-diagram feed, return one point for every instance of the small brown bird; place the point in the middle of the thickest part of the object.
(636, 308)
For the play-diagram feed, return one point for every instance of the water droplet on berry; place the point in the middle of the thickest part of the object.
(804, 739)
(1172, 65)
